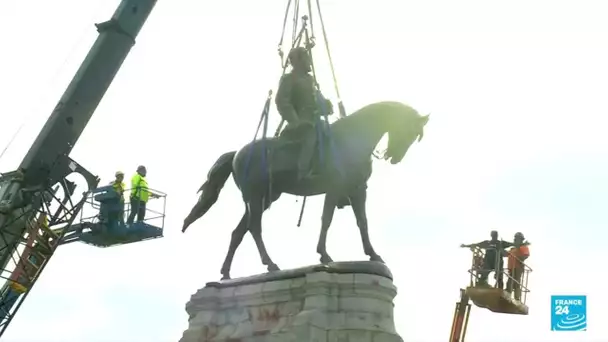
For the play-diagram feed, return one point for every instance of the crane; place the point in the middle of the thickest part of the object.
(493, 298)
(34, 221)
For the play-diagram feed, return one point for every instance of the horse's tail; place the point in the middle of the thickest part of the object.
(210, 190)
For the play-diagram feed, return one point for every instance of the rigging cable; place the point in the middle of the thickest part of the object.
(280, 47)
(323, 129)
(341, 108)
(264, 118)
(312, 29)
(296, 17)
(331, 63)
(310, 42)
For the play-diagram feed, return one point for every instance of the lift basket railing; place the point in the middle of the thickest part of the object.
(477, 268)
(155, 207)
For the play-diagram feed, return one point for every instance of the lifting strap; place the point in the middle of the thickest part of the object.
(296, 41)
(323, 124)
(263, 121)
(309, 42)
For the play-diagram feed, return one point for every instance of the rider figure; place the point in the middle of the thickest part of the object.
(493, 258)
(298, 101)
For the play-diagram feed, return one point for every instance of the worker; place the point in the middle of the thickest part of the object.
(516, 257)
(301, 105)
(48, 236)
(140, 193)
(118, 212)
(118, 184)
(493, 259)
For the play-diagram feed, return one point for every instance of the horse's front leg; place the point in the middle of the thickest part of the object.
(329, 206)
(357, 201)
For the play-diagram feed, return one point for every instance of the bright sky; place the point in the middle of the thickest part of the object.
(516, 143)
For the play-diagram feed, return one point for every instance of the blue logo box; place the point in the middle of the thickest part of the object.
(568, 313)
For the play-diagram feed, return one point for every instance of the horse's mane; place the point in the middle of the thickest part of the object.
(379, 109)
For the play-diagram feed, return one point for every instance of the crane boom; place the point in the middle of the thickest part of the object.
(27, 193)
(461, 318)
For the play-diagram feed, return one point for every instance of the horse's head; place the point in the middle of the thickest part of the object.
(406, 125)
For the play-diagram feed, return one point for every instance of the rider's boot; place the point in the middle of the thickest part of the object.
(303, 168)
(306, 154)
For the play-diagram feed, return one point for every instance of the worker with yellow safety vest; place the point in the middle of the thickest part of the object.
(140, 194)
(119, 186)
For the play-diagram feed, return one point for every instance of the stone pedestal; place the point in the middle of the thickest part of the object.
(340, 302)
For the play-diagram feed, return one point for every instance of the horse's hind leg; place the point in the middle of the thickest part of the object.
(256, 210)
(357, 201)
(237, 237)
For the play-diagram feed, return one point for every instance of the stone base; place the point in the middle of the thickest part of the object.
(339, 302)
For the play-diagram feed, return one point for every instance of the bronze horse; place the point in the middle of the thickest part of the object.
(266, 168)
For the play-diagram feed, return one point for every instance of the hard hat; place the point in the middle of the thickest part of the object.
(141, 167)
(519, 235)
(119, 173)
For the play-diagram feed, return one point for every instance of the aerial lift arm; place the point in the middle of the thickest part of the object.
(461, 318)
(28, 191)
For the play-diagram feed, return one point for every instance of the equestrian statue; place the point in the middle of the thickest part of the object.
(309, 158)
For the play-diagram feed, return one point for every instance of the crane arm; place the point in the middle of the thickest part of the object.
(77, 105)
(461, 318)
(28, 191)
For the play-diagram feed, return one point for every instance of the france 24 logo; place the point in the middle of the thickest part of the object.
(568, 313)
